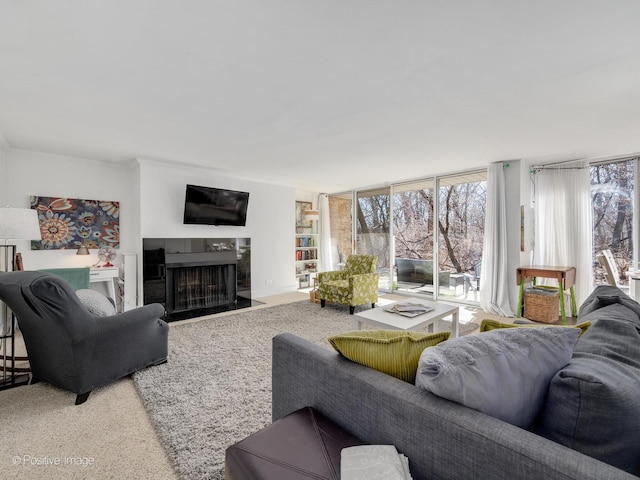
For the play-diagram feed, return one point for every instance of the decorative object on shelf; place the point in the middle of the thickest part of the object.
(312, 215)
(15, 224)
(73, 223)
(106, 255)
(301, 219)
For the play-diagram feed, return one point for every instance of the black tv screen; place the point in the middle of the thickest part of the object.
(215, 206)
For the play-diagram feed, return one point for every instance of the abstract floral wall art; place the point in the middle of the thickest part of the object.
(67, 223)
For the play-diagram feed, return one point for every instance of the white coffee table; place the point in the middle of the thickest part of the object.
(381, 318)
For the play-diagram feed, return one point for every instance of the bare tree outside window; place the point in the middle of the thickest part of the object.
(612, 194)
(459, 225)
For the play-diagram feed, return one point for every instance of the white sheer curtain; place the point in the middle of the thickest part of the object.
(563, 226)
(324, 230)
(494, 277)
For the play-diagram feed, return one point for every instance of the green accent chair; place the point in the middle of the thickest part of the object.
(355, 284)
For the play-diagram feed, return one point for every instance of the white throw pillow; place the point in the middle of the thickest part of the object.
(503, 373)
(96, 303)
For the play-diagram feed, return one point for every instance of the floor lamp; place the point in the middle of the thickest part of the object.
(15, 224)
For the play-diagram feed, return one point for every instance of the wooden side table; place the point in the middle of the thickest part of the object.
(566, 277)
(313, 293)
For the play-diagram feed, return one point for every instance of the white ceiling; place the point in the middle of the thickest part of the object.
(325, 95)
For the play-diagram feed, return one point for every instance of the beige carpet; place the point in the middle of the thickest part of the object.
(216, 388)
(46, 436)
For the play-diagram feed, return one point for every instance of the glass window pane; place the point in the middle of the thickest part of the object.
(372, 228)
(612, 196)
(461, 206)
(413, 223)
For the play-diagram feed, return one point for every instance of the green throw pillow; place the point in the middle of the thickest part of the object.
(488, 325)
(394, 352)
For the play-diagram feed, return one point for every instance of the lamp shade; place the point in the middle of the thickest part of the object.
(19, 224)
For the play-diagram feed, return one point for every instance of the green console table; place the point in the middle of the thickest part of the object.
(566, 277)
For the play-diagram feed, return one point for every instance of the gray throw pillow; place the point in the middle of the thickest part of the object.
(503, 373)
(593, 404)
(96, 303)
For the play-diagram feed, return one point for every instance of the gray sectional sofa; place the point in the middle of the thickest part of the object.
(446, 440)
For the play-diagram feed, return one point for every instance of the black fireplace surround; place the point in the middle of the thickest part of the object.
(192, 277)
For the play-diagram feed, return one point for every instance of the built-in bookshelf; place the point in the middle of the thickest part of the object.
(306, 252)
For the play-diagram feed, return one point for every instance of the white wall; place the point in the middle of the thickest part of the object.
(303, 196)
(29, 173)
(270, 219)
(3, 176)
(151, 196)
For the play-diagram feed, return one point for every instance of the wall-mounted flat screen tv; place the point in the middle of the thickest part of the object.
(215, 206)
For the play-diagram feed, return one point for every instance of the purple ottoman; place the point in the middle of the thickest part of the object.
(304, 444)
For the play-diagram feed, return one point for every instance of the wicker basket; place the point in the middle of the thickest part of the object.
(541, 304)
(314, 296)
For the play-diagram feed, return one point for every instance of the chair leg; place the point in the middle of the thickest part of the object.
(80, 399)
(373, 305)
(322, 302)
(352, 309)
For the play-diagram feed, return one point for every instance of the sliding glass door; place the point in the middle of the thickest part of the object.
(373, 221)
(461, 215)
(413, 223)
(428, 234)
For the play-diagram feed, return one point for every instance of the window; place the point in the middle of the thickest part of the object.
(428, 234)
(372, 229)
(461, 216)
(613, 198)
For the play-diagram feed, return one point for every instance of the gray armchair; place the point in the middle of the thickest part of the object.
(73, 349)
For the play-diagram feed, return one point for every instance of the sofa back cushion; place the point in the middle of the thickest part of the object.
(487, 325)
(503, 373)
(604, 295)
(593, 404)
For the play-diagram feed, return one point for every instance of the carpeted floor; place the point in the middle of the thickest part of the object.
(216, 387)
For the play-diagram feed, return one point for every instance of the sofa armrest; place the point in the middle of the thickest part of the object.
(364, 279)
(125, 343)
(332, 275)
(443, 440)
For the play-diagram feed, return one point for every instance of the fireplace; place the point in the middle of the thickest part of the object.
(197, 276)
(199, 280)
